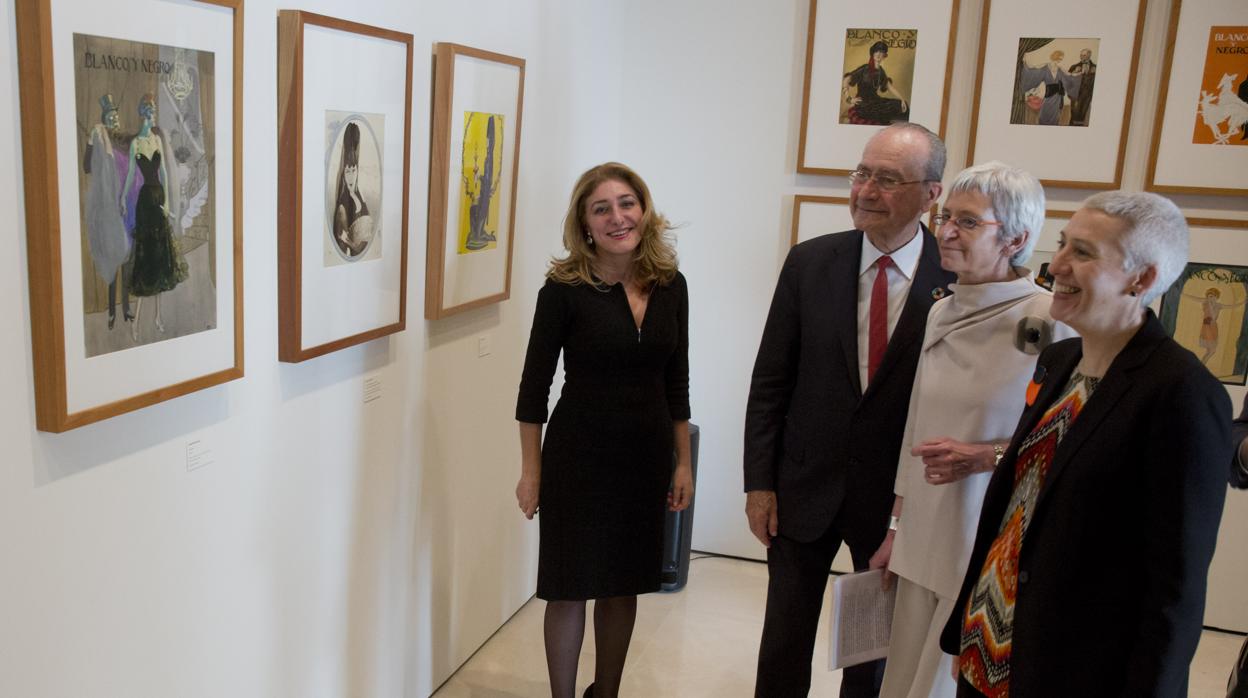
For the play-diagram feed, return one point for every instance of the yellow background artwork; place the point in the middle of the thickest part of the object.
(1220, 113)
(481, 176)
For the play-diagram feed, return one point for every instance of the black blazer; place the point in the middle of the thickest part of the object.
(1112, 570)
(811, 435)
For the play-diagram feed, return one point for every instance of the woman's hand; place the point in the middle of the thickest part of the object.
(681, 494)
(526, 494)
(881, 558)
(948, 460)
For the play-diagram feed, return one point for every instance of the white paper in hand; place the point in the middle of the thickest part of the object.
(861, 619)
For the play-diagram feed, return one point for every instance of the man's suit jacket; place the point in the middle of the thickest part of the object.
(812, 435)
(1112, 569)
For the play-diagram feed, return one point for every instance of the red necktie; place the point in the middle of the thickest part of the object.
(877, 325)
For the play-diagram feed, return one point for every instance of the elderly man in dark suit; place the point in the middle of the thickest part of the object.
(829, 396)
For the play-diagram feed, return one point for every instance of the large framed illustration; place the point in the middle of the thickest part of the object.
(819, 215)
(1053, 88)
(132, 145)
(1200, 134)
(344, 156)
(478, 100)
(869, 65)
(1206, 309)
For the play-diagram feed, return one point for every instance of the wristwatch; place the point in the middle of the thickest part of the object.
(998, 451)
(892, 523)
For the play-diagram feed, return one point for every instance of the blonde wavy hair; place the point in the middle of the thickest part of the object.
(655, 258)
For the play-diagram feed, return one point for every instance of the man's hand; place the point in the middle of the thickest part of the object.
(760, 511)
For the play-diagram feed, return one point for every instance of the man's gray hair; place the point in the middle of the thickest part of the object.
(1017, 201)
(1156, 236)
(934, 169)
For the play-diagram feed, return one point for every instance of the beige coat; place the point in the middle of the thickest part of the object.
(970, 386)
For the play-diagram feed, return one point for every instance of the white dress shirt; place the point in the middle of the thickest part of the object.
(900, 275)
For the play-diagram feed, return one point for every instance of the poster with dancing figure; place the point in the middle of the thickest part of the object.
(146, 144)
(1206, 310)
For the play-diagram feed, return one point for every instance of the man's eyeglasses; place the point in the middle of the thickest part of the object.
(859, 178)
(966, 224)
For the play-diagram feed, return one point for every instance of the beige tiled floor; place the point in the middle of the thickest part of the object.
(703, 641)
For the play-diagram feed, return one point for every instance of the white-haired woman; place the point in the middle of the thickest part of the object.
(1087, 577)
(978, 353)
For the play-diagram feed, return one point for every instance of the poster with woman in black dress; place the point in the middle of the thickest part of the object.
(870, 94)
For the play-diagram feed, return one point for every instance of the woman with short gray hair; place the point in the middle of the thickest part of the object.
(1089, 567)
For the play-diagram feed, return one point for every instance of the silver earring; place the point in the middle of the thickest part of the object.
(589, 240)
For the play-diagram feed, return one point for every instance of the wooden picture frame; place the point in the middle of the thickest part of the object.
(1196, 148)
(158, 218)
(1026, 115)
(344, 164)
(838, 39)
(478, 101)
(824, 214)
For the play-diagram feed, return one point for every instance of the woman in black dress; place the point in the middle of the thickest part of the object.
(618, 310)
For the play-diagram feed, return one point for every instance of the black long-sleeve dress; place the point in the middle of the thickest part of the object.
(607, 455)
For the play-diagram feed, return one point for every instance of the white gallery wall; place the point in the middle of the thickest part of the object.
(337, 548)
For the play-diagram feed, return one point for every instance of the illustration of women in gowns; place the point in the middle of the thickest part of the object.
(1057, 84)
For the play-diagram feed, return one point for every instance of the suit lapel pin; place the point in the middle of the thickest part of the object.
(938, 293)
(1033, 388)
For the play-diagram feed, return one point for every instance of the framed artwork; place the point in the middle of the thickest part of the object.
(132, 160)
(478, 100)
(1200, 134)
(1206, 309)
(1046, 246)
(344, 154)
(819, 215)
(868, 65)
(1054, 88)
